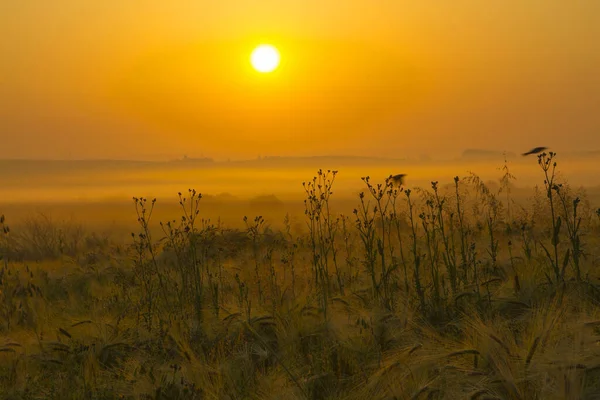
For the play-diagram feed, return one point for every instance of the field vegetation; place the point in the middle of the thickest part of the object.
(454, 291)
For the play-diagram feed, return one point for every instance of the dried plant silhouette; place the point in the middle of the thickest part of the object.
(447, 292)
(398, 179)
(535, 150)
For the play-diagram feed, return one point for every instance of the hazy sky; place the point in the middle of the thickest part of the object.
(159, 79)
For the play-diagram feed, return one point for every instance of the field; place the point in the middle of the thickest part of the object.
(464, 288)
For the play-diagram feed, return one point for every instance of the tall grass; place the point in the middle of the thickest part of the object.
(447, 292)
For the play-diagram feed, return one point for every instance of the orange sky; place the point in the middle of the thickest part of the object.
(159, 79)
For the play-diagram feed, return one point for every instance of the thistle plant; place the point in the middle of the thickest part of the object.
(573, 222)
(381, 194)
(351, 259)
(415, 252)
(447, 235)
(505, 187)
(548, 166)
(4, 241)
(365, 224)
(492, 209)
(148, 273)
(462, 230)
(323, 230)
(289, 258)
(255, 230)
(396, 220)
(186, 237)
(516, 282)
(429, 221)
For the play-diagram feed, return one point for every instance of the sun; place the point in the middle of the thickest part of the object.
(265, 58)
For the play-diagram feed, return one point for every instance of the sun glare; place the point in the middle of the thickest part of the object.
(265, 58)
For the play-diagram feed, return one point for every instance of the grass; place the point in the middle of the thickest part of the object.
(455, 291)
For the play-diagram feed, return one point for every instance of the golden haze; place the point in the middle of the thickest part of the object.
(111, 79)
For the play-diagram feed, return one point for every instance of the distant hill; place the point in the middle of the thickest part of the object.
(49, 167)
(19, 171)
(315, 161)
(486, 154)
(190, 160)
(584, 154)
(482, 154)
